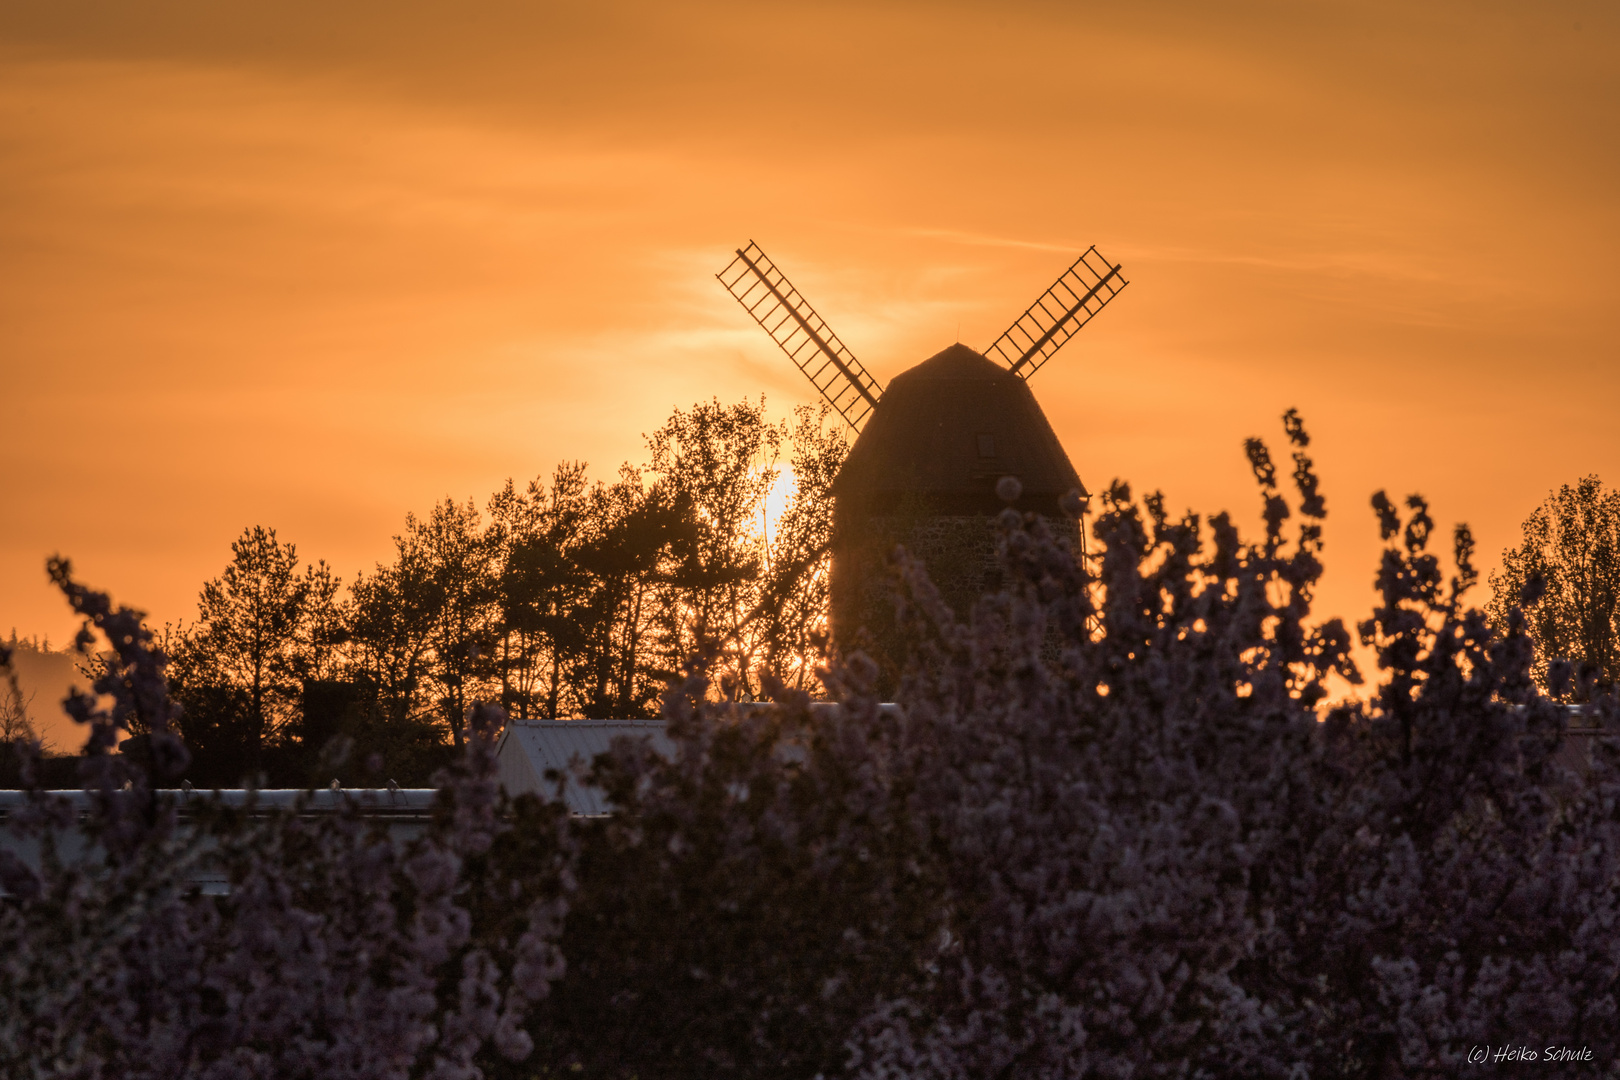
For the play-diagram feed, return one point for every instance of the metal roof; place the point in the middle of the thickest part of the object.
(402, 812)
(528, 749)
(371, 802)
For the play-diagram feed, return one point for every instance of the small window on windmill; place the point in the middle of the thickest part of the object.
(987, 446)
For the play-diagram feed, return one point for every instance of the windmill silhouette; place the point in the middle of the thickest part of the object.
(932, 448)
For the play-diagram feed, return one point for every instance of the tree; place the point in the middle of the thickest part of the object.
(633, 534)
(237, 667)
(1566, 576)
(18, 739)
(15, 725)
(581, 571)
(457, 559)
(394, 613)
(603, 590)
(799, 554)
(719, 464)
(323, 627)
(539, 587)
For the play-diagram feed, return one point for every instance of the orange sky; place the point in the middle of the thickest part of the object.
(317, 265)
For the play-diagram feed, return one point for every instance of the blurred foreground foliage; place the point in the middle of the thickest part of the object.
(1116, 828)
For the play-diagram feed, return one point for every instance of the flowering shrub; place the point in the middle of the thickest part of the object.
(1115, 829)
(337, 953)
(1113, 833)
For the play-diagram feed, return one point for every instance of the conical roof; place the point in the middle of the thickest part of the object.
(947, 430)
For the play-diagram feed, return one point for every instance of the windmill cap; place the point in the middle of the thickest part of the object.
(949, 430)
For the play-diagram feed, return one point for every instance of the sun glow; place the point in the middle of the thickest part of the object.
(777, 501)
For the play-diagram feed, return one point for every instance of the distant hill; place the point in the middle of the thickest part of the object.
(45, 676)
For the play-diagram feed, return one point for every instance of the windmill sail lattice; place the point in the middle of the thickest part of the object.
(1083, 290)
(794, 325)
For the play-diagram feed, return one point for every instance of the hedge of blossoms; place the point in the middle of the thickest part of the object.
(1108, 835)
(336, 954)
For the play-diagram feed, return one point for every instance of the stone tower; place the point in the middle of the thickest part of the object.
(923, 474)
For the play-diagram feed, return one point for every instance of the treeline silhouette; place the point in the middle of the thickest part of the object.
(573, 598)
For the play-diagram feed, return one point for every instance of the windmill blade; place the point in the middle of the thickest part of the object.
(1073, 300)
(794, 325)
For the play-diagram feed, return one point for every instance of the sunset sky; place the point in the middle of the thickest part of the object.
(315, 265)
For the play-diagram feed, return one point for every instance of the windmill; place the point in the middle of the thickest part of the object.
(931, 448)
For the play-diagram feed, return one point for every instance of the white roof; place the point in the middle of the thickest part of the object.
(372, 802)
(528, 749)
